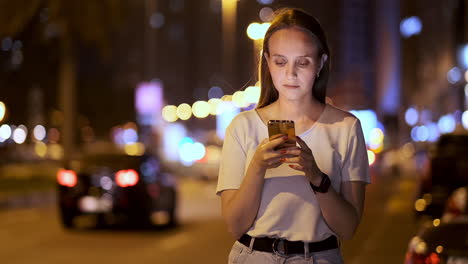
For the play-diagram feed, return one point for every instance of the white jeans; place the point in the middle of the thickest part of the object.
(245, 255)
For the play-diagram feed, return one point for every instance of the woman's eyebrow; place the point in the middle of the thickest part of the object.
(302, 56)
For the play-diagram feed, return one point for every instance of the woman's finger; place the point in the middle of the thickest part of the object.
(302, 144)
(296, 167)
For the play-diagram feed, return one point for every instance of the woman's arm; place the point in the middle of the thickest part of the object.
(239, 207)
(343, 212)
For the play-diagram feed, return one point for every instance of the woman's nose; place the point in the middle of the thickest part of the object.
(291, 72)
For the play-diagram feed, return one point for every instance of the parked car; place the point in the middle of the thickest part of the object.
(117, 188)
(447, 171)
(446, 240)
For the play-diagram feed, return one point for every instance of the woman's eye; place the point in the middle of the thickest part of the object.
(280, 63)
(303, 63)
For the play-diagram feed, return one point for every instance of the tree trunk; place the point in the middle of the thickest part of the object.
(67, 82)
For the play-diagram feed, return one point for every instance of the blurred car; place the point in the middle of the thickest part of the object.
(117, 188)
(443, 241)
(447, 171)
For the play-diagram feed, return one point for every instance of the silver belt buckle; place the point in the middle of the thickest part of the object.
(279, 251)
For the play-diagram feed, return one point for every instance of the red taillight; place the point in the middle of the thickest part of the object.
(67, 178)
(414, 258)
(126, 178)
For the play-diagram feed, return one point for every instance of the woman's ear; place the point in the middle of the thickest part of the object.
(323, 59)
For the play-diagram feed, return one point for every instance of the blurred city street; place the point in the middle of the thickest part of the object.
(34, 235)
(116, 112)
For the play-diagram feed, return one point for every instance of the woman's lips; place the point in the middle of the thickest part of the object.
(291, 86)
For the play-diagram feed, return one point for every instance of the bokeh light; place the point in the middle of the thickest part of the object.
(239, 99)
(134, 149)
(454, 75)
(201, 109)
(5, 132)
(215, 92)
(446, 123)
(411, 116)
(169, 113)
(2, 111)
(252, 94)
(266, 14)
(39, 132)
(20, 134)
(40, 149)
(257, 31)
(371, 157)
(465, 119)
(410, 26)
(157, 20)
(215, 106)
(184, 111)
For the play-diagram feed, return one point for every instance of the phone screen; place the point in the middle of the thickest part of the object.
(284, 127)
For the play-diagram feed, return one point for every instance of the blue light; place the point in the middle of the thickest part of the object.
(185, 140)
(411, 116)
(414, 134)
(129, 136)
(215, 92)
(368, 120)
(463, 56)
(433, 132)
(173, 134)
(454, 75)
(410, 26)
(224, 119)
(265, 2)
(446, 124)
(422, 133)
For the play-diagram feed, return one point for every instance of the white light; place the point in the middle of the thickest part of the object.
(19, 135)
(454, 75)
(465, 119)
(106, 183)
(5, 132)
(410, 26)
(446, 124)
(266, 14)
(411, 116)
(199, 151)
(39, 132)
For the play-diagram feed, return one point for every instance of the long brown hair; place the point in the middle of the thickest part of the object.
(287, 18)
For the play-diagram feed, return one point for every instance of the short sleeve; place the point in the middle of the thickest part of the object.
(232, 163)
(356, 164)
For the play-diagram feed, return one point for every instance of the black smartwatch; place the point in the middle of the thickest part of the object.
(324, 184)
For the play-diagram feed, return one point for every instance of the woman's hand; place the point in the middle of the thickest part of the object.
(305, 162)
(267, 157)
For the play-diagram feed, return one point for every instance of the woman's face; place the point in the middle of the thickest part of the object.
(293, 63)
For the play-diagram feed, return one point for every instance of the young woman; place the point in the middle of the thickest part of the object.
(291, 205)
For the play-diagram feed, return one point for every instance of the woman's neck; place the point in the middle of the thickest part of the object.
(304, 110)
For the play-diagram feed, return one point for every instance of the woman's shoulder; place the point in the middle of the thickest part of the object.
(245, 119)
(338, 116)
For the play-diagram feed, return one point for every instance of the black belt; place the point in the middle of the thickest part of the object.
(285, 247)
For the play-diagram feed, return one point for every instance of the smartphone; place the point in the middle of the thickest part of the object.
(283, 127)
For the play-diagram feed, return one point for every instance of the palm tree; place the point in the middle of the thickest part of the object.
(89, 21)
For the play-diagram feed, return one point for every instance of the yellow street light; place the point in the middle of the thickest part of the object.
(2, 110)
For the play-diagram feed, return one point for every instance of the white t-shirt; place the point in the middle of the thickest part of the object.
(288, 207)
